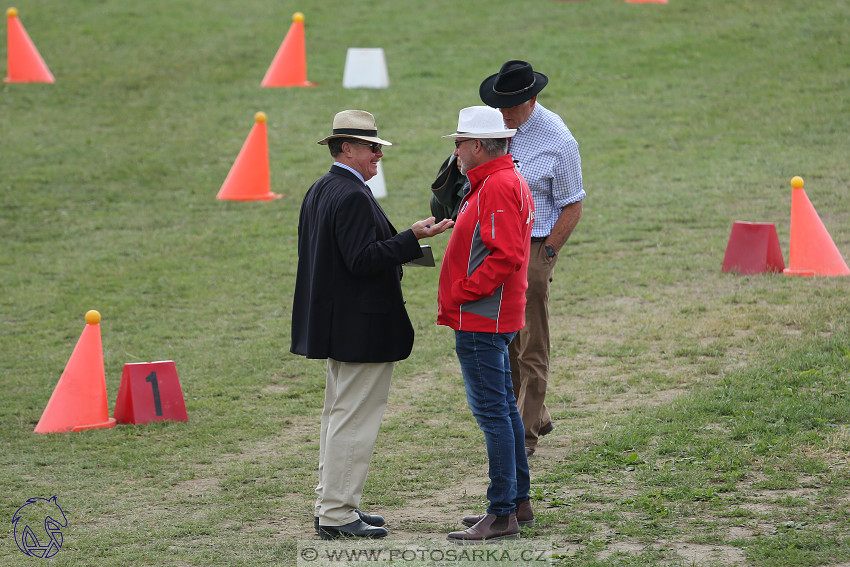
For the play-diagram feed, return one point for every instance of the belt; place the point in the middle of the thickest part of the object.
(538, 238)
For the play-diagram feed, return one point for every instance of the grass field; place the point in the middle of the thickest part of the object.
(701, 417)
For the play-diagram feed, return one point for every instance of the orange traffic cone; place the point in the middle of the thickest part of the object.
(812, 251)
(249, 178)
(24, 63)
(79, 399)
(289, 66)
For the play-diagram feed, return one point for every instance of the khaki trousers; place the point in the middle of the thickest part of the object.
(355, 399)
(529, 351)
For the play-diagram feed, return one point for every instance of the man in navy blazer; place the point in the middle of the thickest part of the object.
(349, 309)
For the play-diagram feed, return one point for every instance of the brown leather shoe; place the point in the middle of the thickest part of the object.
(524, 516)
(490, 528)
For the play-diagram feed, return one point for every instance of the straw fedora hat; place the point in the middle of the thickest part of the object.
(480, 122)
(515, 83)
(357, 124)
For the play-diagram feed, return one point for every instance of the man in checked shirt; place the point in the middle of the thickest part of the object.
(549, 160)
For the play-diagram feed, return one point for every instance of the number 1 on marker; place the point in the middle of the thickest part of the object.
(155, 387)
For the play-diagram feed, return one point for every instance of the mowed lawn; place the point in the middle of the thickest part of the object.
(701, 417)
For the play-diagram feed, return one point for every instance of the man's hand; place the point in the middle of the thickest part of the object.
(427, 228)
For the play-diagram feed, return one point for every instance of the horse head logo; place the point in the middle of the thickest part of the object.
(41, 514)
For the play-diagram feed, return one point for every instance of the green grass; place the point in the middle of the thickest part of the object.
(701, 417)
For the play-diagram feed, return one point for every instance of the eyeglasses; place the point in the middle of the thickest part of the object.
(459, 142)
(373, 146)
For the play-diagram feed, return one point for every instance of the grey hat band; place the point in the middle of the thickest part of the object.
(354, 132)
(515, 92)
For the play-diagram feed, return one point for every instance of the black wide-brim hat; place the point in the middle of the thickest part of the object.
(515, 83)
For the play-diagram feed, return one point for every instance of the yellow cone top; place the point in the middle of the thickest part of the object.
(11, 12)
(797, 182)
(298, 17)
(260, 117)
(92, 317)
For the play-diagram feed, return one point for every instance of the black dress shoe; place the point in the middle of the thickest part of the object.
(371, 519)
(546, 429)
(357, 528)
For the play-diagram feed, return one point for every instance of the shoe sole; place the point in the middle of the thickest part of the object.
(483, 541)
(342, 535)
(525, 524)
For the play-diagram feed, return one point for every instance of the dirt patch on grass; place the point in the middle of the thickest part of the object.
(609, 361)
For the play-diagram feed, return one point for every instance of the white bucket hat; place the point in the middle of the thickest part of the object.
(480, 122)
(357, 124)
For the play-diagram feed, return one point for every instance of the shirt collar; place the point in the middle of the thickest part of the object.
(477, 174)
(357, 173)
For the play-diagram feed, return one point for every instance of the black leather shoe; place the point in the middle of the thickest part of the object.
(546, 429)
(372, 520)
(357, 528)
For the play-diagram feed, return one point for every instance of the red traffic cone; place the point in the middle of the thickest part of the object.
(24, 63)
(753, 248)
(150, 391)
(289, 66)
(79, 399)
(812, 251)
(249, 178)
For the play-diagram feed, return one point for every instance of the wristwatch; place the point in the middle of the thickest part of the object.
(550, 251)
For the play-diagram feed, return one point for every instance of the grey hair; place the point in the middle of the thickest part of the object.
(494, 146)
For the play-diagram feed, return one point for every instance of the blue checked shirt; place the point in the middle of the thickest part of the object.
(549, 161)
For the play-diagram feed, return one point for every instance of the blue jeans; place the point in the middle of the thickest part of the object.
(486, 370)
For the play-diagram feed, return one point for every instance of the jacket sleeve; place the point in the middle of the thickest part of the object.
(500, 226)
(365, 251)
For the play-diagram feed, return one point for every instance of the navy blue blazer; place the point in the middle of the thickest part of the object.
(348, 302)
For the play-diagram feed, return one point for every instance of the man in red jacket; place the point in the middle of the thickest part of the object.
(482, 297)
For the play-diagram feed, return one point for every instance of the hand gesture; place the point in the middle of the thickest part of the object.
(427, 228)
